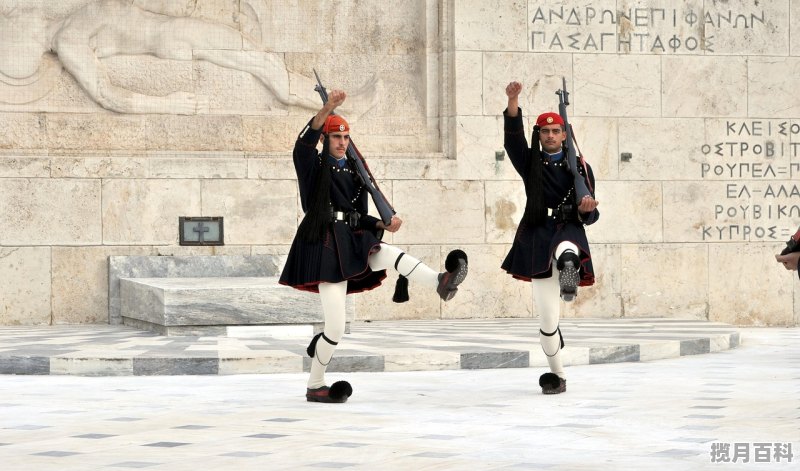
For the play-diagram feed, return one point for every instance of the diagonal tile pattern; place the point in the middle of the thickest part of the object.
(370, 347)
(667, 414)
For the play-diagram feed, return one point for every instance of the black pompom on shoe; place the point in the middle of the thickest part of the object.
(336, 394)
(456, 266)
(551, 383)
(453, 259)
(341, 390)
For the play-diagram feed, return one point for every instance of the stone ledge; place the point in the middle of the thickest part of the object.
(210, 305)
(143, 266)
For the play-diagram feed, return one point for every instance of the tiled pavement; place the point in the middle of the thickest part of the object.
(377, 346)
(667, 414)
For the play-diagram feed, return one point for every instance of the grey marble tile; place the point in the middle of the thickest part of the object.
(614, 354)
(346, 445)
(695, 346)
(175, 366)
(349, 364)
(56, 453)
(482, 360)
(166, 444)
(26, 365)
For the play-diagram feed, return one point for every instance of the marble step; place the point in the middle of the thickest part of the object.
(212, 305)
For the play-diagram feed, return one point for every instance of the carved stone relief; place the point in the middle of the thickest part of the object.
(249, 58)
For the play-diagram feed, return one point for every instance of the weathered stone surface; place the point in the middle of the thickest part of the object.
(633, 77)
(255, 211)
(25, 285)
(103, 130)
(49, 212)
(80, 282)
(681, 289)
(660, 156)
(100, 167)
(745, 303)
(217, 165)
(537, 95)
(494, 25)
(24, 166)
(630, 212)
(23, 131)
(457, 204)
(719, 85)
(469, 75)
(479, 141)
(147, 211)
(771, 84)
(505, 205)
(488, 291)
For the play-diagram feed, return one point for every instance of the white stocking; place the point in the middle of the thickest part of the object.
(408, 266)
(333, 297)
(546, 297)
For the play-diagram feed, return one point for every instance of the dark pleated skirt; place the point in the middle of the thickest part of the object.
(531, 254)
(342, 255)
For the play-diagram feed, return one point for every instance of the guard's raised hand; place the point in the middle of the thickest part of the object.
(513, 89)
(336, 98)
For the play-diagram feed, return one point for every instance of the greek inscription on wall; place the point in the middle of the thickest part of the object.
(756, 160)
(635, 30)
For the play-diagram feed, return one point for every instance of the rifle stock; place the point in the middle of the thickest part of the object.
(581, 189)
(385, 210)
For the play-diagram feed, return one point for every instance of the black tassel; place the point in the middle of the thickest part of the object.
(401, 290)
(312, 347)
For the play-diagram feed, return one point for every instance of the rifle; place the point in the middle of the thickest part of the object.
(570, 143)
(385, 210)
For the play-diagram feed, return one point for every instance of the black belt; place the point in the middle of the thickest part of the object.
(351, 218)
(563, 213)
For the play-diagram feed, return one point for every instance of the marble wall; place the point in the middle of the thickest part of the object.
(110, 132)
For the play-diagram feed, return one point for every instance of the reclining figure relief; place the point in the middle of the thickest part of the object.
(34, 49)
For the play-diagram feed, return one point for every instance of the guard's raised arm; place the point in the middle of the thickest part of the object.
(513, 90)
(335, 98)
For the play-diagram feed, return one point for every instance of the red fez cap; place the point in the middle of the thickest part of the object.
(549, 118)
(335, 123)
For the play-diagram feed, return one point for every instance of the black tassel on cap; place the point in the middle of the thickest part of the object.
(401, 290)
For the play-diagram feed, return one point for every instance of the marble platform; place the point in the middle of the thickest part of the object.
(219, 305)
(187, 266)
(415, 345)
